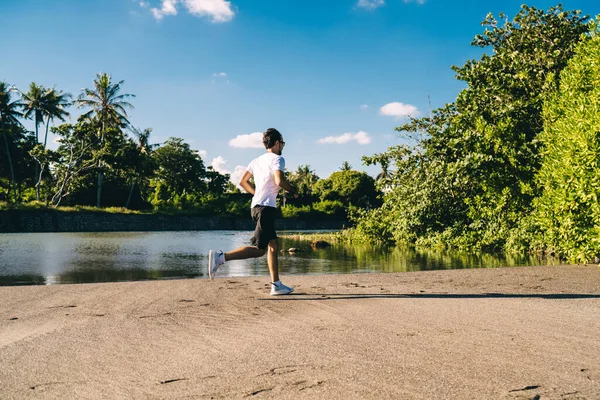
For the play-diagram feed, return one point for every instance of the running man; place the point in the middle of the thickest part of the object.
(268, 173)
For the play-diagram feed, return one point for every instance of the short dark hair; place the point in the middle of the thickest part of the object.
(271, 136)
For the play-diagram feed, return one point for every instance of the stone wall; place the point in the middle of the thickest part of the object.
(57, 221)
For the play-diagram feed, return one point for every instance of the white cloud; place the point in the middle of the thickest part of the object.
(370, 4)
(415, 1)
(144, 4)
(219, 164)
(220, 76)
(364, 106)
(399, 110)
(215, 10)
(168, 8)
(252, 141)
(202, 153)
(361, 137)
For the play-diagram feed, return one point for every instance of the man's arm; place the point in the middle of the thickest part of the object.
(283, 183)
(245, 183)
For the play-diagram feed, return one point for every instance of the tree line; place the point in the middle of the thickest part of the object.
(103, 160)
(512, 164)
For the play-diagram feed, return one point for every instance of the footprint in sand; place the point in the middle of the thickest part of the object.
(258, 391)
(591, 375)
(173, 380)
(288, 369)
(530, 392)
(353, 284)
(69, 306)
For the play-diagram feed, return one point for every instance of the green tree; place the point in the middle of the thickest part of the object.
(468, 179)
(108, 111)
(9, 123)
(567, 214)
(57, 103)
(346, 166)
(75, 158)
(349, 187)
(216, 183)
(35, 107)
(384, 178)
(303, 179)
(143, 167)
(41, 103)
(500, 113)
(179, 176)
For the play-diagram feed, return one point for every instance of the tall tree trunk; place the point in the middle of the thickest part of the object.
(130, 193)
(99, 192)
(11, 184)
(37, 140)
(101, 171)
(46, 137)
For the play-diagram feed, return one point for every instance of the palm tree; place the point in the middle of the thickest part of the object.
(306, 179)
(385, 175)
(56, 104)
(9, 118)
(107, 110)
(145, 148)
(34, 106)
(346, 166)
(143, 141)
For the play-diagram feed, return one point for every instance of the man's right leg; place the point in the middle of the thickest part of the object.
(216, 259)
(242, 253)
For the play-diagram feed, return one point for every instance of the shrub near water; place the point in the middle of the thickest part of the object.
(567, 213)
(465, 175)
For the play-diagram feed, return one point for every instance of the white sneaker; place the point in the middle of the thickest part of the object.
(213, 263)
(281, 289)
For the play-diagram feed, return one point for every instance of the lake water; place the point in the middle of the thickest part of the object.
(56, 258)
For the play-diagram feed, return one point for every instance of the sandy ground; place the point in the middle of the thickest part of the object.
(511, 333)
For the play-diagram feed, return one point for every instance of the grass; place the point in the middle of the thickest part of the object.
(40, 206)
(338, 236)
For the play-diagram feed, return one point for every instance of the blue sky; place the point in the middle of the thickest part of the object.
(335, 77)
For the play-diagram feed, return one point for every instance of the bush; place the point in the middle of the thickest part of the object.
(568, 210)
(333, 208)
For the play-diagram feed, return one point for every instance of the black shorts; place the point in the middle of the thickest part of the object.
(264, 217)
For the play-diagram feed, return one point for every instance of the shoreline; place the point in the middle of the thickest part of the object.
(507, 333)
(39, 221)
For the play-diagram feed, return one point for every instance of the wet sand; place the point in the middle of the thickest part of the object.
(510, 333)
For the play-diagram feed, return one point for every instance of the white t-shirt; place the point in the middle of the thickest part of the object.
(263, 169)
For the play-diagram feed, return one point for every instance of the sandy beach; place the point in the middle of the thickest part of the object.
(509, 333)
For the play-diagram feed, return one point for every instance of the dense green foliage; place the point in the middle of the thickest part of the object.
(566, 216)
(469, 178)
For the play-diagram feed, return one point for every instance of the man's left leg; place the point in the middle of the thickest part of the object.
(272, 259)
(277, 288)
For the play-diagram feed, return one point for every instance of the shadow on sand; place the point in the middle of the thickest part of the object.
(347, 296)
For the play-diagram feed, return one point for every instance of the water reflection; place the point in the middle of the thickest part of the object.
(22, 280)
(54, 258)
